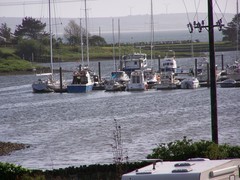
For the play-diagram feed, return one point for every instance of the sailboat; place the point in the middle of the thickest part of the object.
(118, 79)
(48, 84)
(82, 78)
(149, 74)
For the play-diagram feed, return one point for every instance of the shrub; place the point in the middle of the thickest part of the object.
(186, 148)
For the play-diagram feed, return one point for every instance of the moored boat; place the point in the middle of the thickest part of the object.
(228, 83)
(132, 62)
(190, 83)
(137, 82)
(117, 82)
(43, 85)
(82, 82)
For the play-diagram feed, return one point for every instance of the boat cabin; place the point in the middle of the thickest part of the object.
(169, 65)
(134, 61)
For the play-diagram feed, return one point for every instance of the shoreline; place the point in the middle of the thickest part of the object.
(6, 148)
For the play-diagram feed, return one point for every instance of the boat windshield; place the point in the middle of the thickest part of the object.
(117, 74)
(136, 56)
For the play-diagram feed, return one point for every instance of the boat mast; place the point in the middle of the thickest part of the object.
(86, 24)
(119, 48)
(152, 30)
(81, 39)
(50, 31)
(114, 59)
(237, 31)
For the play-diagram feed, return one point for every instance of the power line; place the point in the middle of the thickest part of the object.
(32, 2)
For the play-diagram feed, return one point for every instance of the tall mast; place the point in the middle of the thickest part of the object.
(237, 31)
(81, 39)
(50, 31)
(119, 43)
(152, 30)
(86, 24)
(114, 59)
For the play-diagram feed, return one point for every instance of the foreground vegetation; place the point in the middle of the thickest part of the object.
(173, 151)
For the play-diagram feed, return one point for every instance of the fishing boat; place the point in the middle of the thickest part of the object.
(83, 77)
(137, 81)
(82, 81)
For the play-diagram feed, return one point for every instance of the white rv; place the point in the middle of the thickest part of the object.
(192, 169)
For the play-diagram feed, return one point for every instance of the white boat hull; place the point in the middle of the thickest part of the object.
(190, 83)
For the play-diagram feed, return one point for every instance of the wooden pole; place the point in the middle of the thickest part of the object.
(60, 71)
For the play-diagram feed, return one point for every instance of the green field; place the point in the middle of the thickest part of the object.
(9, 62)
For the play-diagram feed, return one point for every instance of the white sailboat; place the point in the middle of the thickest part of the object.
(48, 84)
(150, 74)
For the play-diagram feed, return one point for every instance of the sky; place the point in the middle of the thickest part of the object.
(109, 8)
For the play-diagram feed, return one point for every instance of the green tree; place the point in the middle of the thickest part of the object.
(30, 49)
(31, 29)
(97, 41)
(230, 32)
(72, 32)
(5, 31)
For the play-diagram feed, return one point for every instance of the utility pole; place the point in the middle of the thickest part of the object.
(213, 90)
(214, 116)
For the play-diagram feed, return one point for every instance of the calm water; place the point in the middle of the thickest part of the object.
(76, 129)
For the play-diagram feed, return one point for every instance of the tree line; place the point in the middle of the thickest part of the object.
(32, 40)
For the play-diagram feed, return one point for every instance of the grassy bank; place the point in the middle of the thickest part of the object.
(10, 63)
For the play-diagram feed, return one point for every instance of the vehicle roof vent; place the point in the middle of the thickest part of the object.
(184, 170)
(183, 164)
(198, 159)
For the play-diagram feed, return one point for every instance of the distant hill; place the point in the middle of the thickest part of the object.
(134, 23)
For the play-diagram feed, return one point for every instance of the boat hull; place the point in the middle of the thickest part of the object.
(79, 88)
(190, 84)
(136, 87)
(166, 86)
(228, 83)
(41, 88)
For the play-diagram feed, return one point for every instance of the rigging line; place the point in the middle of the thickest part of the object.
(186, 10)
(223, 13)
(15, 3)
(196, 7)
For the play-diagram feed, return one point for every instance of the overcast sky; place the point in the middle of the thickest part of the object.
(109, 8)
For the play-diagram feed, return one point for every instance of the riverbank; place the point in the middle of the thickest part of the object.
(7, 148)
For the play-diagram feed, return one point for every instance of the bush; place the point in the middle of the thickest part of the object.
(186, 148)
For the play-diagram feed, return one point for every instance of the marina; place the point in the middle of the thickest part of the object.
(72, 129)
